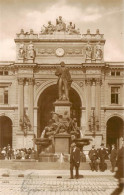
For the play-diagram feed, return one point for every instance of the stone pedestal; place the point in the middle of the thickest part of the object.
(62, 143)
(47, 157)
(61, 106)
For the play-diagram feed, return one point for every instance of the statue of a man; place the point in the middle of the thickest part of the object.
(31, 51)
(64, 81)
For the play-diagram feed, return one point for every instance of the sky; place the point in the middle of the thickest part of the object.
(105, 15)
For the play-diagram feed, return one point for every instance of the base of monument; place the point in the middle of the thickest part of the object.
(48, 157)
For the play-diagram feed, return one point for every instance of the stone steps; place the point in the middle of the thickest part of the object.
(33, 164)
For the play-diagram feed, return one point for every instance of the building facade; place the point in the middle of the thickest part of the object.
(28, 86)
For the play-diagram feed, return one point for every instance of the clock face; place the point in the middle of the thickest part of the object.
(60, 52)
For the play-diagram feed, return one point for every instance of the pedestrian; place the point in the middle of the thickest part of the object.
(74, 160)
(102, 155)
(93, 155)
(113, 156)
(120, 166)
(9, 152)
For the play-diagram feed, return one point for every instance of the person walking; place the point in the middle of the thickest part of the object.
(102, 155)
(74, 160)
(93, 155)
(113, 156)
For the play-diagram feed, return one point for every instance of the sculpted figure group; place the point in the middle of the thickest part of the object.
(61, 124)
(26, 53)
(60, 26)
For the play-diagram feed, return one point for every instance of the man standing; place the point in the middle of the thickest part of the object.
(113, 157)
(102, 155)
(93, 157)
(74, 160)
(64, 81)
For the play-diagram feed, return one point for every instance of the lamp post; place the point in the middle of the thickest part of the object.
(93, 124)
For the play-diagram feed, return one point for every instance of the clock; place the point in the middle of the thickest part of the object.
(60, 52)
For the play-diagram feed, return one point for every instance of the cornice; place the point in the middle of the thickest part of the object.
(80, 40)
(112, 108)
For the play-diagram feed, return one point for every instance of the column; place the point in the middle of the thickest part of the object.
(31, 102)
(21, 99)
(98, 99)
(93, 95)
(88, 101)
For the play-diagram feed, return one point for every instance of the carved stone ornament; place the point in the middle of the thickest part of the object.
(30, 51)
(99, 52)
(88, 52)
(21, 81)
(21, 52)
(88, 81)
(60, 52)
(30, 81)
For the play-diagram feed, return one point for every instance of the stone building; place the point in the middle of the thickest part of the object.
(28, 86)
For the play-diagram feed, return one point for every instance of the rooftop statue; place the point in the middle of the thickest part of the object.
(59, 27)
(49, 29)
(71, 29)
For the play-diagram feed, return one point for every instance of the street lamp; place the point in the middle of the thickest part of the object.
(93, 123)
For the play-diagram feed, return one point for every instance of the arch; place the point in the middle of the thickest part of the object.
(112, 115)
(5, 131)
(47, 84)
(114, 130)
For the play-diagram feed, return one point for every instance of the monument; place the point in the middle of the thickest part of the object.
(62, 129)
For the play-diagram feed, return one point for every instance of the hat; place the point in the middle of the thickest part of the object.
(93, 146)
(102, 144)
(73, 144)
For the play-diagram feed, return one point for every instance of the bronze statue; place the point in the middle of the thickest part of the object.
(64, 81)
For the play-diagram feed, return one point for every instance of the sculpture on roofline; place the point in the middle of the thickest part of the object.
(71, 29)
(49, 29)
(60, 25)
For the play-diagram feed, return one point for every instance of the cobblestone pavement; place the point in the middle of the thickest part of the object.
(41, 184)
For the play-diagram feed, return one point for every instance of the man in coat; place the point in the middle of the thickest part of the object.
(120, 166)
(64, 81)
(113, 157)
(93, 157)
(74, 160)
(102, 155)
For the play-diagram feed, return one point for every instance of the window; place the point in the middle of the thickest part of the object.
(4, 95)
(115, 73)
(3, 73)
(115, 91)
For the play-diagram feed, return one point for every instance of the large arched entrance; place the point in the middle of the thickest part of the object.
(45, 106)
(5, 131)
(115, 131)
